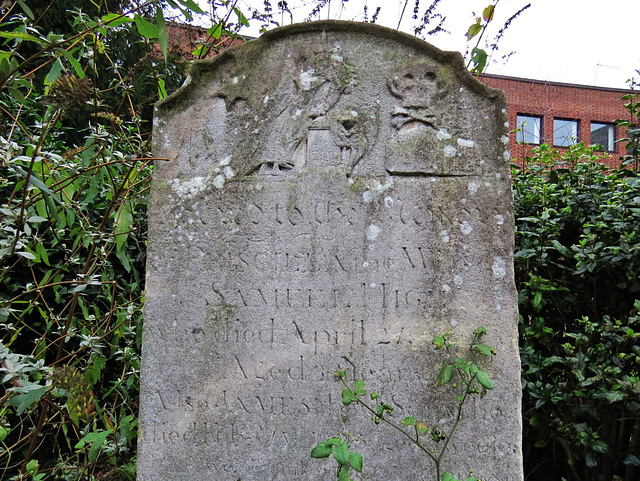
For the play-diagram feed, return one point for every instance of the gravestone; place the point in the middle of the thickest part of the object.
(334, 195)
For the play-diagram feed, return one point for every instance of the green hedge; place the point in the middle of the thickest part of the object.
(577, 264)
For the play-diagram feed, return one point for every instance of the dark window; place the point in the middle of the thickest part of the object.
(604, 135)
(528, 129)
(565, 132)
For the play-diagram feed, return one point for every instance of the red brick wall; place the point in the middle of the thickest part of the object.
(185, 38)
(550, 100)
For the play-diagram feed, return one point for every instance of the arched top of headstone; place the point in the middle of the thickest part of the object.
(356, 94)
(251, 50)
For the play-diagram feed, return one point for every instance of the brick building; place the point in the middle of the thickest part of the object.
(195, 42)
(561, 115)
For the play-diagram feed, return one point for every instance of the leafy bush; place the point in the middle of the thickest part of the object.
(577, 268)
(77, 85)
(72, 252)
(75, 169)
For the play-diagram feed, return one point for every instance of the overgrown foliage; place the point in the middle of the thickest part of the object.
(75, 161)
(577, 269)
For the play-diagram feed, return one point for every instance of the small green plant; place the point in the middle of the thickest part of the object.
(464, 373)
(340, 449)
(632, 126)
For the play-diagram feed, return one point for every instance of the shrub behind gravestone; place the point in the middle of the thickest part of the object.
(577, 264)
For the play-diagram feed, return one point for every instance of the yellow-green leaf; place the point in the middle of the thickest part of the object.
(162, 92)
(115, 20)
(474, 29)
(215, 31)
(341, 453)
(488, 12)
(241, 18)
(485, 350)
(485, 380)
(355, 460)
(22, 36)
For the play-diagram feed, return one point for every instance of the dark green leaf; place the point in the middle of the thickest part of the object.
(631, 460)
(614, 396)
(551, 360)
(74, 63)
(600, 446)
(479, 60)
(591, 460)
(124, 222)
(445, 375)
(26, 9)
(54, 73)
(191, 5)
(561, 249)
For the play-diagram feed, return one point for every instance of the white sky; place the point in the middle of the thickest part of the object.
(588, 42)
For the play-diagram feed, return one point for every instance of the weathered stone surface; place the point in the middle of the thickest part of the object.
(336, 194)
